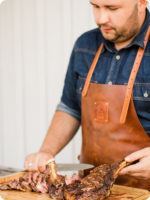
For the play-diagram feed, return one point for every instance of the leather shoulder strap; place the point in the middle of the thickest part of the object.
(132, 79)
(87, 82)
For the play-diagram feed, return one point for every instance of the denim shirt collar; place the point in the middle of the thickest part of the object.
(138, 40)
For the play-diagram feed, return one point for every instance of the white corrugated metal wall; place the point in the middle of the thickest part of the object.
(36, 39)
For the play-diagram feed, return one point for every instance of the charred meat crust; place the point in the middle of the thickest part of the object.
(96, 186)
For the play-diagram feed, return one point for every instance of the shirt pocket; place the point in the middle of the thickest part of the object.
(141, 97)
(141, 92)
(80, 86)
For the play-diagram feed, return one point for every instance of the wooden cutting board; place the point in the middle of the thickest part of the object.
(118, 192)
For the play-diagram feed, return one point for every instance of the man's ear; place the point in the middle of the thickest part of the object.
(142, 5)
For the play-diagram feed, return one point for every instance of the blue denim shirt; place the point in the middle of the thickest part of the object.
(114, 67)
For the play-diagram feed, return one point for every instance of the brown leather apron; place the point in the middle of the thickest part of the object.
(111, 129)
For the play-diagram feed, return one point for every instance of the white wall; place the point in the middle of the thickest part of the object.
(36, 39)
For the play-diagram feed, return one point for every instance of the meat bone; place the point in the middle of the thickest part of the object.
(121, 166)
(52, 169)
(51, 166)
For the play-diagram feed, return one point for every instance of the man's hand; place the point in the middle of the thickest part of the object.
(141, 170)
(38, 161)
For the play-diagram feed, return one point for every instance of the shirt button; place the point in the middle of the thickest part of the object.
(146, 94)
(118, 57)
(109, 83)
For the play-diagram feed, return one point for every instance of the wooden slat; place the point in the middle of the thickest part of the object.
(30, 76)
(81, 17)
(54, 40)
(54, 59)
(1, 105)
(92, 20)
(41, 70)
(19, 92)
(8, 85)
(67, 43)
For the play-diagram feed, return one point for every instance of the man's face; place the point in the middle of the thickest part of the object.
(118, 20)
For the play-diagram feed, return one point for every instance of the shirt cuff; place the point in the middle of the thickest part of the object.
(62, 107)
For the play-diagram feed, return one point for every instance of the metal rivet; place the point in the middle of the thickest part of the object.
(80, 88)
(145, 94)
(109, 83)
(106, 121)
(95, 119)
(106, 103)
(95, 103)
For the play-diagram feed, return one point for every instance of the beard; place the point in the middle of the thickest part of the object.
(129, 30)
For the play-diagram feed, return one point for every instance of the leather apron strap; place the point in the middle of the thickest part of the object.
(87, 82)
(131, 79)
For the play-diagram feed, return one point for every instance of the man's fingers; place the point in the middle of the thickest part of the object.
(138, 155)
(31, 163)
(42, 165)
(27, 162)
(138, 176)
(37, 162)
(33, 167)
(131, 169)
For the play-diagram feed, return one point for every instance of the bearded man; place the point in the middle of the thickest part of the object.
(107, 91)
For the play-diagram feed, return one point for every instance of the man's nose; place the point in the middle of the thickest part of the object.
(103, 17)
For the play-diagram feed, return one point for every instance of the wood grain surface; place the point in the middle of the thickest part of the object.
(118, 192)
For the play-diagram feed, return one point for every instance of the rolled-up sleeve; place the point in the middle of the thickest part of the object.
(62, 107)
(69, 102)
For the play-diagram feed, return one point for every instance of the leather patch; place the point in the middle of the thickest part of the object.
(101, 112)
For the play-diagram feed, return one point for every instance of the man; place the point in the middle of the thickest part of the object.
(113, 126)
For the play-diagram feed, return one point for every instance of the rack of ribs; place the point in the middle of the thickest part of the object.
(96, 186)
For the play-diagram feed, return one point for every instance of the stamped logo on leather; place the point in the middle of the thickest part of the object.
(101, 112)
